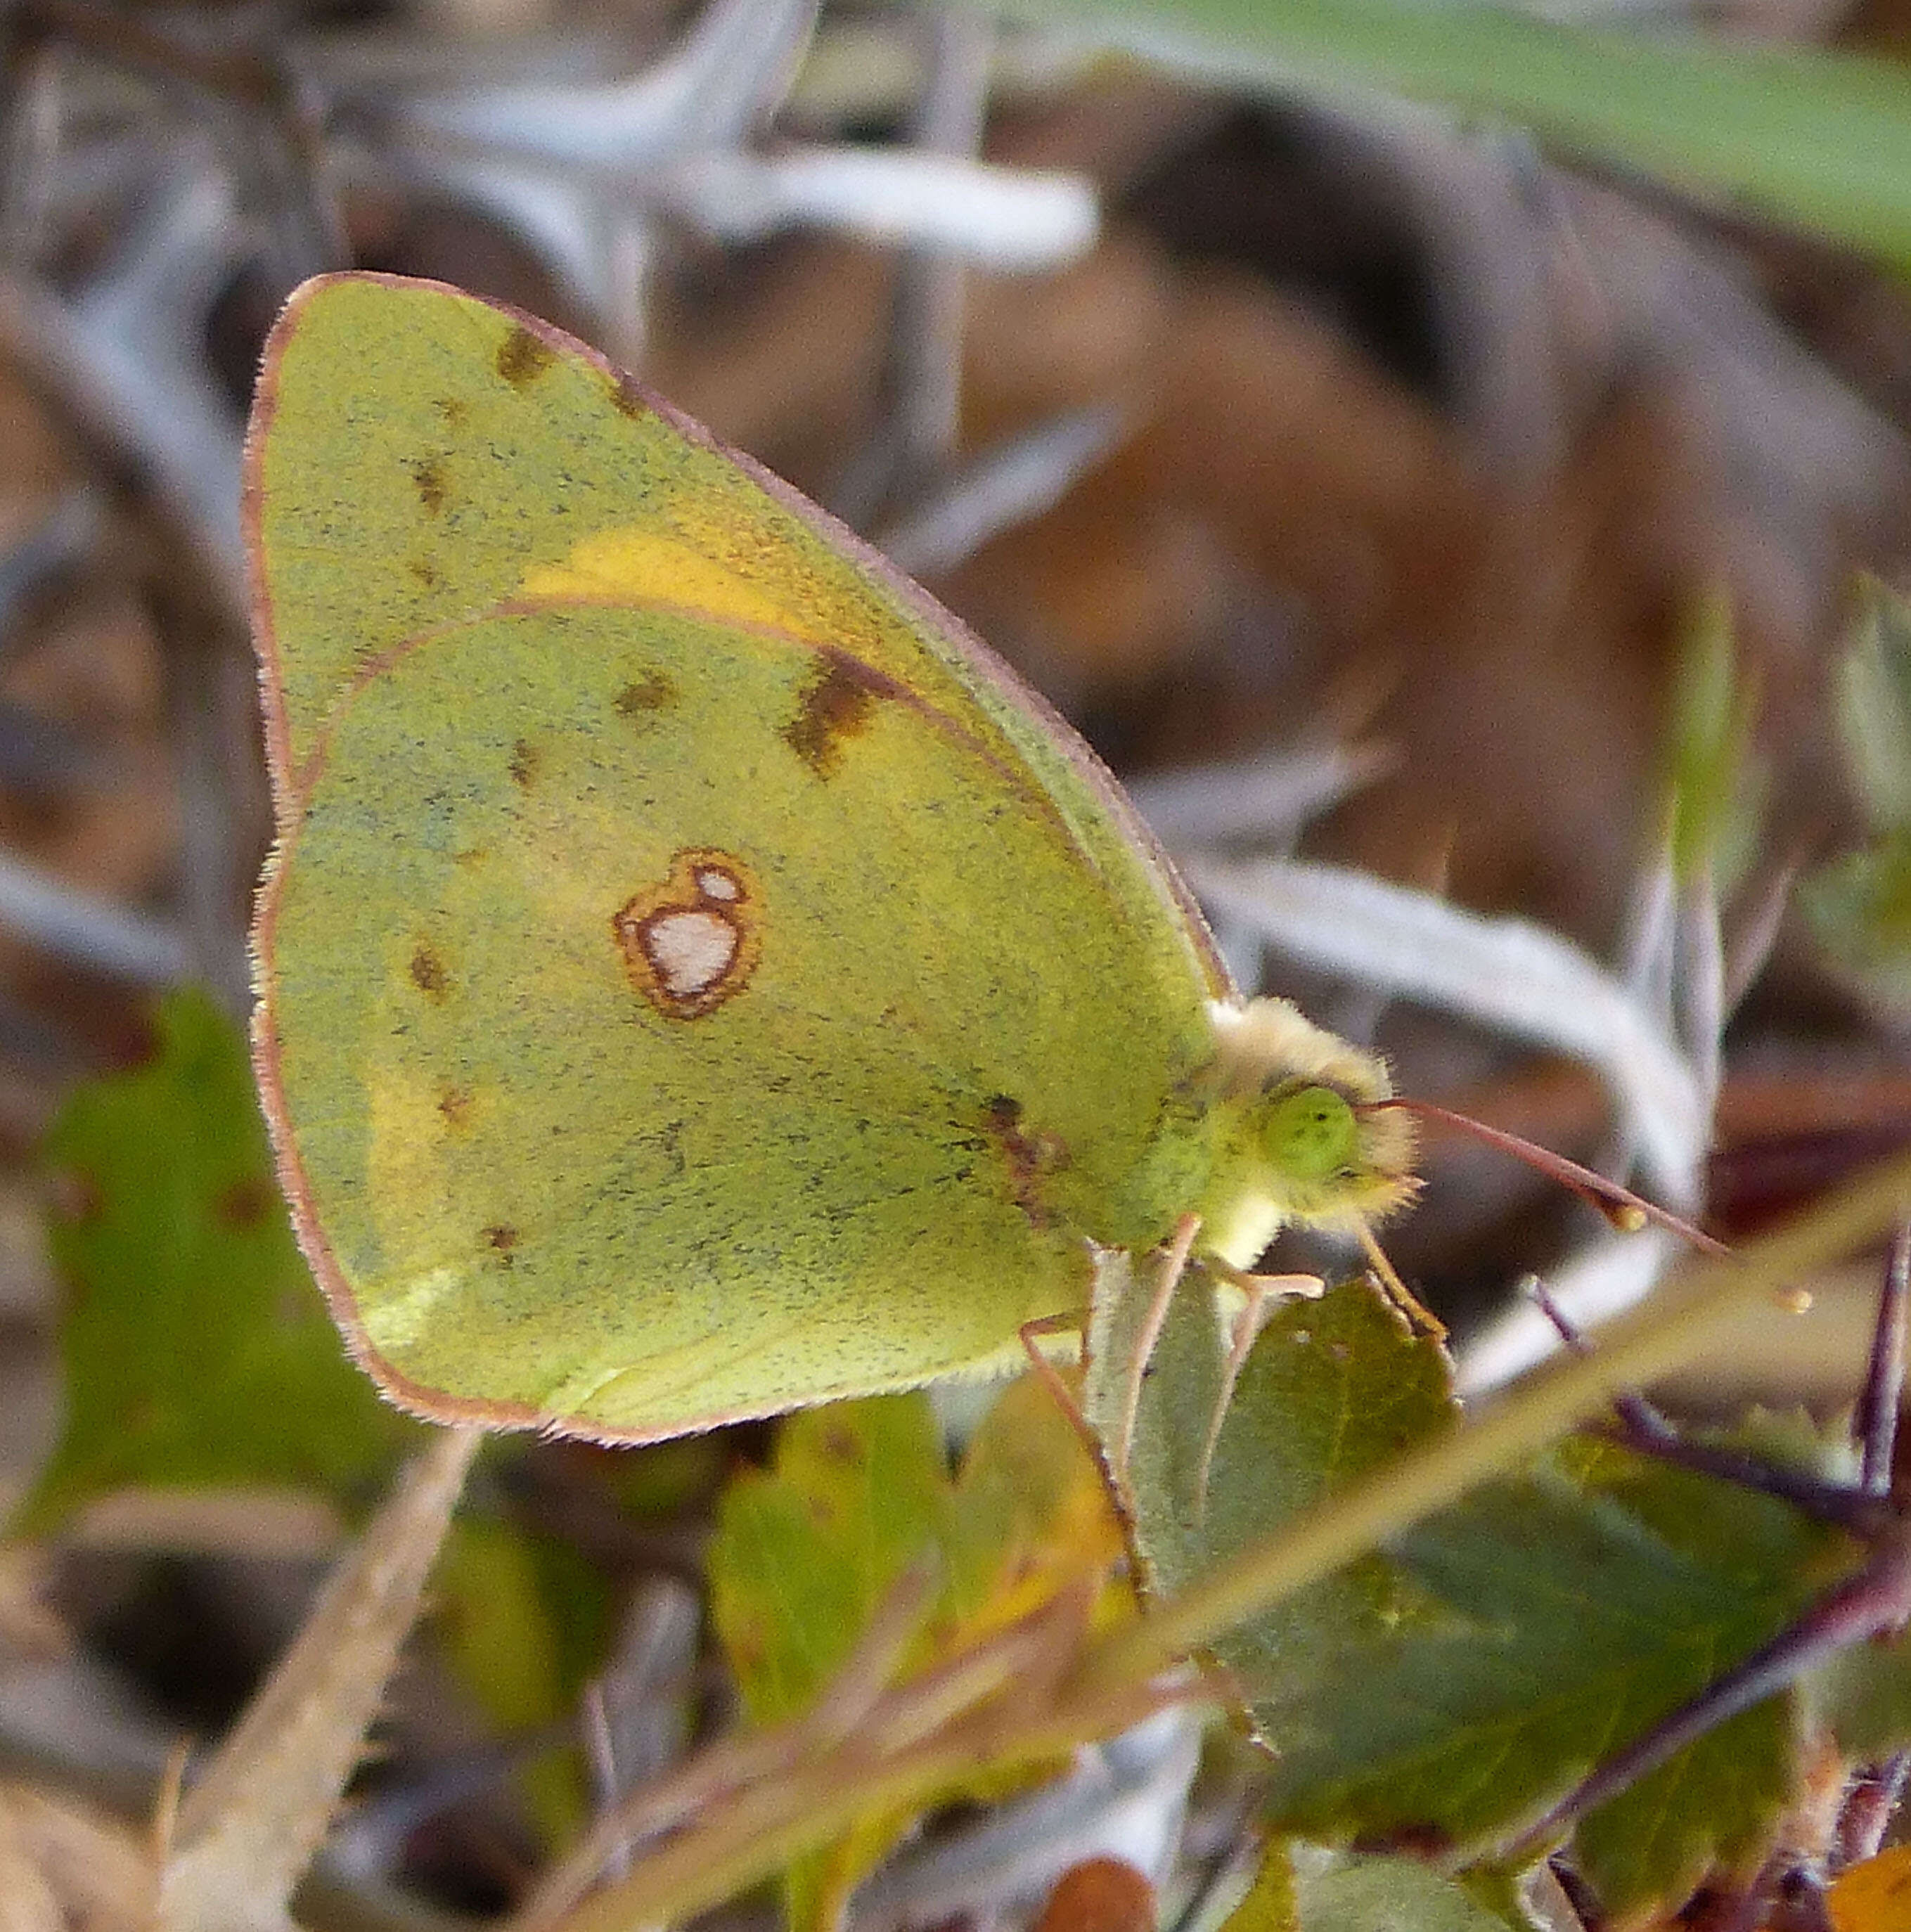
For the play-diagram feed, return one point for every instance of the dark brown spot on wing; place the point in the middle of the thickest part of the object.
(653, 691)
(523, 358)
(525, 760)
(837, 704)
(428, 474)
(502, 1237)
(423, 573)
(1032, 1157)
(428, 972)
(454, 1105)
(455, 410)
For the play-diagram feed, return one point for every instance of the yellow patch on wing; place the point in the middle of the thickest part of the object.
(633, 563)
(411, 1314)
(405, 1170)
(702, 1373)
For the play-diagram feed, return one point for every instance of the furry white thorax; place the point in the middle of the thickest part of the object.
(1265, 1043)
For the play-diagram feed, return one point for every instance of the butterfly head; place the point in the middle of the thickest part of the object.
(1300, 1137)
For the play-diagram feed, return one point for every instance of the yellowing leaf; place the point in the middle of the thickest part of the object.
(1270, 1905)
(1304, 1888)
(1874, 1897)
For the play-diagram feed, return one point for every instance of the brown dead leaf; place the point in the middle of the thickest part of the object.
(1874, 1897)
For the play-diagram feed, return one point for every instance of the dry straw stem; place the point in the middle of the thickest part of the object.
(1017, 1697)
(63, 1865)
(741, 1759)
(1006, 1700)
(249, 1827)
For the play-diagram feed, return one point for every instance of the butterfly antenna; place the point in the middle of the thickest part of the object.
(1620, 1206)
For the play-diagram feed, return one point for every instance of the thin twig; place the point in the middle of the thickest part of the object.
(1875, 1421)
(1876, 1599)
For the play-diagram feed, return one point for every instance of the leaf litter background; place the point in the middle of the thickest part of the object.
(1369, 483)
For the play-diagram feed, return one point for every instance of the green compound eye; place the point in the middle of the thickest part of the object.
(1311, 1134)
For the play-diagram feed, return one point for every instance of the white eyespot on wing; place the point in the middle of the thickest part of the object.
(691, 941)
(690, 951)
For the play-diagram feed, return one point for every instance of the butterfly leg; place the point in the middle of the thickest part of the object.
(1421, 1318)
(1260, 1290)
(1050, 1377)
(1173, 1264)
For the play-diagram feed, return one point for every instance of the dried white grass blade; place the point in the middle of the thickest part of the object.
(1646, 953)
(997, 217)
(735, 63)
(567, 219)
(249, 1827)
(1011, 483)
(1123, 1799)
(1504, 973)
(126, 353)
(1267, 798)
(141, 327)
(62, 1865)
(73, 1720)
(88, 932)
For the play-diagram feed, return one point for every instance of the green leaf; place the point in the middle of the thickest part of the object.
(1334, 1388)
(1450, 1688)
(1560, 1627)
(1712, 784)
(1859, 907)
(1346, 1892)
(1302, 1888)
(1862, 1696)
(196, 1349)
(1819, 140)
(806, 1552)
(804, 1555)
(1715, 1808)
(501, 1615)
(1874, 705)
